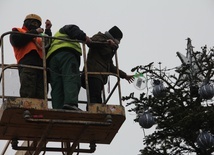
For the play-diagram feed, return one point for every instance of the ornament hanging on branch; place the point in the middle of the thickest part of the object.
(158, 89)
(205, 140)
(146, 120)
(206, 91)
(140, 81)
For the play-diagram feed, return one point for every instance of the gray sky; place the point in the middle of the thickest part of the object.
(154, 30)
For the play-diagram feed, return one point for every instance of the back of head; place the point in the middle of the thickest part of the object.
(30, 19)
(116, 33)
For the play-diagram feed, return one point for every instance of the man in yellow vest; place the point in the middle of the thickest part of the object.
(63, 60)
(28, 51)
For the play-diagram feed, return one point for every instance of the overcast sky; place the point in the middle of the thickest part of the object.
(154, 30)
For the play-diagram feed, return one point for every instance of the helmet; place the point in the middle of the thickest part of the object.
(33, 16)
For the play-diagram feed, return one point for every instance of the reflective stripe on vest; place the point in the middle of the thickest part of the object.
(57, 44)
(20, 52)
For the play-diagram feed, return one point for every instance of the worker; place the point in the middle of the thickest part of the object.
(63, 60)
(99, 59)
(28, 51)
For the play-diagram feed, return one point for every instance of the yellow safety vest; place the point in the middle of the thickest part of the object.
(57, 44)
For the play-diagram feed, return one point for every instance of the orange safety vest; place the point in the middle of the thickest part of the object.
(20, 52)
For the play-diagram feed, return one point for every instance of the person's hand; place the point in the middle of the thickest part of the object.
(48, 24)
(130, 78)
(87, 40)
(112, 43)
(40, 30)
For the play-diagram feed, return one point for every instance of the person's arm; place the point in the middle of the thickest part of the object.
(48, 26)
(113, 69)
(98, 41)
(48, 32)
(122, 74)
(74, 32)
(20, 39)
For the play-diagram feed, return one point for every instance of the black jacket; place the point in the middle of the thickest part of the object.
(100, 56)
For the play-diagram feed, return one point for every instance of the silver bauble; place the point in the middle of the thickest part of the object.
(146, 120)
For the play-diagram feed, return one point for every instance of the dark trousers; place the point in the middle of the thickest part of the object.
(32, 84)
(64, 78)
(95, 89)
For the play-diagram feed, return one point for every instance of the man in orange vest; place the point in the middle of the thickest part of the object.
(28, 51)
